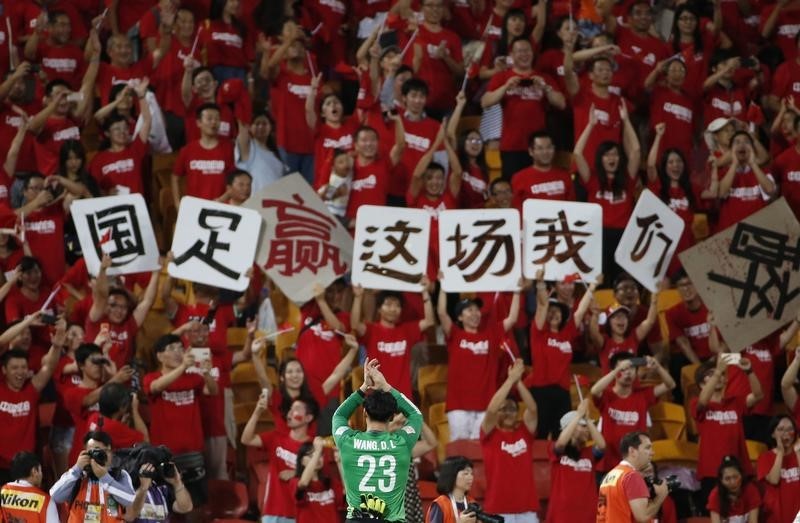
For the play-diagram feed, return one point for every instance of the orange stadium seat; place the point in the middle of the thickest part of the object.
(669, 421)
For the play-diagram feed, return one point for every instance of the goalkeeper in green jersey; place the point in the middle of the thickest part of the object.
(375, 462)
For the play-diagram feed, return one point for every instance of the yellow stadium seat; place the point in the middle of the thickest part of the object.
(436, 414)
(754, 450)
(680, 453)
(700, 227)
(443, 438)
(431, 384)
(236, 337)
(492, 157)
(688, 385)
(670, 418)
(604, 298)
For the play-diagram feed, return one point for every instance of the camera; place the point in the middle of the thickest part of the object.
(165, 470)
(526, 82)
(639, 362)
(482, 516)
(673, 483)
(99, 456)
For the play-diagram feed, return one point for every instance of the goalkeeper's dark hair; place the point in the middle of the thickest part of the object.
(306, 449)
(448, 473)
(380, 406)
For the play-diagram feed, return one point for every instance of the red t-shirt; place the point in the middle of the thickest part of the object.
(696, 61)
(609, 123)
(282, 451)
(110, 75)
(786, 81)
(617, 209)
(123, 338)
(523, 105)
(433, 207)
(61, 417)
(762, 356)
(120, 169)
(217, 329)
(19, 412)
(392, 347)
(227, 121)
(179, 401)
(551, 354)
(316, 503)
(48, 142)
(129, 12)
(121, 435)
(434, 71)
(472, 363)
(419, 135)
(205, 169)
(568, 476)
(505, 451)
(691, 324)
(619, 416)
(781, 501)
(369, 186)
(319, 348)
(744, 198)
(213, 406)
(724, 103)
(675, 109)
(327, 139)
(787, 171)
(551, 62)
(748, 500)
(784, 31)
(551, 184)
(224, 44)
(62, 62)
(721, 433)
(168, 75)
(9, 123)
(73, 402)
(44, 231)
(474, 188)
(646, 50)
(612, 347)
(289, 92)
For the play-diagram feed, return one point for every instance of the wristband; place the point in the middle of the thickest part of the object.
(361, 393)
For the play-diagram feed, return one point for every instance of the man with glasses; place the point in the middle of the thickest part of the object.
(111, 313)
(500, 194)
(542, 180)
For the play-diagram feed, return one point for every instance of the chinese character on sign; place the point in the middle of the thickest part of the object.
(214, 220)
(464, 259)
(559, 229)
(398, 248)
(302, 239)
(771, 251)
(646, 237)
(115, 231)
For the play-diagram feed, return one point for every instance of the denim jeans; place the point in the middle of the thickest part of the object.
(302, 163)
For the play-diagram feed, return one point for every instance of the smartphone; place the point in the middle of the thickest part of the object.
(200, 354)
(526, 82)
(639, 362)
(209, 318)
(48, 319)
(732, 358)
(75, 97)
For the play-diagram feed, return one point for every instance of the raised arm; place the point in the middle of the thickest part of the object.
(586, 301)
(667, 382)
(513, 309)
(570, 77)
(429, 320)
(441, 311)
(707, 390)
(149, 297)
(540, 12)
(84, 107)
(566, 435)
(456, 175)
(584, 171)
(603, 383)
(495, 404)
(652, 157)
(249, 436)
(417, 177)
(165, 380)
(399, 140)
(542, 300)
(630, 142)
(787, 381)
(356, 321)
(50, 360)
(756, 392)
(311, 102)
(10, 165)
(327, 314)
(100, 290)
(311, 467)
(144, 110)
(531, 415)
(455, 118)
(344, 366)
(643, 329)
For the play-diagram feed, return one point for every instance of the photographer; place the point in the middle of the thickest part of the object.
(453, 505)
(624, 496)
(92, 489)
(161, 490)
(23, 499)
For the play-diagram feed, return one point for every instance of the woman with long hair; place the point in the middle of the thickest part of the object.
(455, 481)
(695, 43)
(735, 498)
(256, 151)
(317, 493)
(225, 41)
(777, 470)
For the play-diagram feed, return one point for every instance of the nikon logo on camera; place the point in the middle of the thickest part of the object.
(13, 499)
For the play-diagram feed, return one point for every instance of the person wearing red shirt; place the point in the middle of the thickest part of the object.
(688, 325)
(389, 339)
(524, 96)
(205, 162)
(786, 81)
(437, 58)
(611, 179)
(371, 170)
(288, 70)
(623, 406)
(95, 370)
(174, 394)
(469, 148)
(735, 498)
(198, 88)
(118, 169)
(507, 446)
(719, 416)
(20, 96)
(782, 19)
(117, 406)
(573, 465)
(19, 400)
(474, 348)
(112, 310)
(542, 180)
(624, 495)
(226, 41)
(58, 57)
(671, 107)
(745, 187)
(789, 393)
(552, 335)
(121, 69)
(619, 335)
(723, 97)
(786, 168)
(778, 470)
(635, 38)
(283, 449)
(317, 495)
(695, 43)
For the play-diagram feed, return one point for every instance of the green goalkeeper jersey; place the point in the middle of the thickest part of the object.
(376, 463)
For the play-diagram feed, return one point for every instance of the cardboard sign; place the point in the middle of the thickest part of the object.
(303, 244)
(120, 227)
(649, 240)
(479, 250)
(391, 247)
(564, 237)
(749, 274)
(214, 243)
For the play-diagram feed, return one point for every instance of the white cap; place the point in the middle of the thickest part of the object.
(567, 418)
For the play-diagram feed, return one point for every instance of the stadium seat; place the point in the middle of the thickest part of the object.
(227, 499)
(666, 299)
(431, 384)
(754, 450)
(700, 227)
(670, 419)
(469, 448)
(437, 414)
(679, 453)
(427, 493)
(236, 337)
(688, 385)
(541, 468)
(492, 158)
(604, 298)
(442, 430)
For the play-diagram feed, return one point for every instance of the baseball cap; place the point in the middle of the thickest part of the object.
(467, 302)
(615, 308)
(567, 418)
(717, 124)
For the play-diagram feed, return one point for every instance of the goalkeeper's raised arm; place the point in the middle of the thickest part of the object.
(375, 462)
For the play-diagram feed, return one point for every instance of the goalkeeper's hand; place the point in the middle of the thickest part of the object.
(375, 507)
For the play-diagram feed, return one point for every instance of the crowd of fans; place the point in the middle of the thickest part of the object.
(406, 103)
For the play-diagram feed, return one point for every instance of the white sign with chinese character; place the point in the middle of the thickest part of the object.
(120, 227)
(303, 244)
(649, 240)
(391, 247)
(214, 243)
(566, 238)
(479, 250)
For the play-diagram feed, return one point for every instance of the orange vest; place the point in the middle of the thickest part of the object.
(94, 505)
(22, 503)
(612, 504)
(446, 506)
